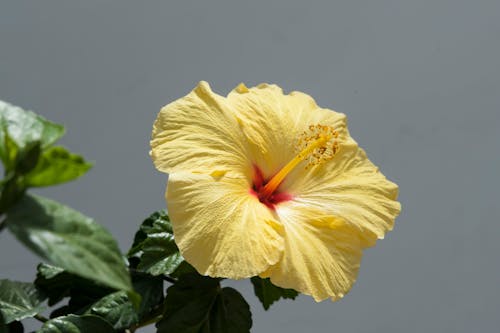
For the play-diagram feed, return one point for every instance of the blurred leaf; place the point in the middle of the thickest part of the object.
(155, 247)
(8, 150)
(20, 128)
(46, 271)
(198, 304)
(11, 192)
(55, 166)
(69, 240)
(76, 324)
(268, 293)
(116, 309)
(26, 126)
(12, 327)
(28, 158)
(135, 298)
(19, 300)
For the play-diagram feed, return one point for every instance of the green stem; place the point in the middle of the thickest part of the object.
(41, 318)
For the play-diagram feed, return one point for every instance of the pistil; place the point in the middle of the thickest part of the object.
(317, 144)
(278, 178)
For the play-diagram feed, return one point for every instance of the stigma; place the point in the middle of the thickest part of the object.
(315, 145)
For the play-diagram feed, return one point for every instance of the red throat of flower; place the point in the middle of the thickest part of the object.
(268, 199)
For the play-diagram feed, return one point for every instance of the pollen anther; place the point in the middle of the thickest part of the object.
(325, 150)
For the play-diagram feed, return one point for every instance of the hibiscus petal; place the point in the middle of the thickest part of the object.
(322, 253)
(274, 122)
(198, 133)
(352, 188)
(221, 229)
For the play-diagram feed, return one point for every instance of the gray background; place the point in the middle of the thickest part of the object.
(419, 81)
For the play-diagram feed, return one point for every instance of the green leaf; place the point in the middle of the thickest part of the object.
(116, 309)
(19, 300)
(119, 310)
(268, 293)
(151, 290)
(184, 268)
(45, 271)
(231, 313)
(197, 304)
(69, 239)
(11, 191)
(57, 284)
(83, 293)
(26, 126)
(8, 150)
(155, 247)
(28, 158)
(55, 166)
(12, 327)
(20, 128)
(3, 325)
(76, 324)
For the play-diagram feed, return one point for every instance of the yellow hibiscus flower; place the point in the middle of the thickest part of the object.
(263, 183)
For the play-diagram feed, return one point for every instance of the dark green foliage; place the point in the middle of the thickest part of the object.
(184, 268)
(27, 159)
(58, 284)
(77, 324)
(198, 304)
(268, 293)
(116, 309)
(11, 192)
(86, 296)
(3, 325)
(155, 247)
(150, 288)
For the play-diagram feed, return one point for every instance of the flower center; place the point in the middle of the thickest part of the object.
(270, 200)
(318, 144)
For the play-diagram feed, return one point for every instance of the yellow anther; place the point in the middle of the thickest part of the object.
(317, 145)
(323, 152)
